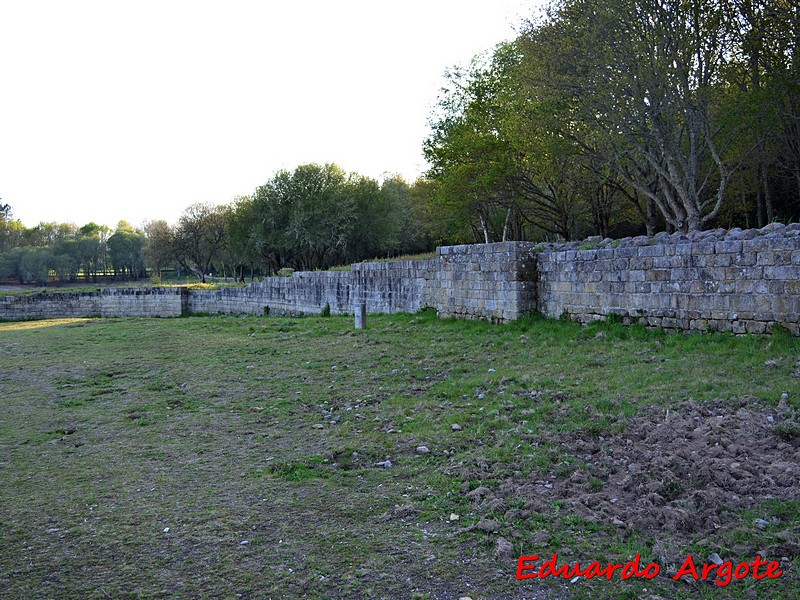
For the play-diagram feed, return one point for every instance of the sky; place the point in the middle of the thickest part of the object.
(135, 110)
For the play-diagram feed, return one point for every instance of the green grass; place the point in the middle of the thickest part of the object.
(268, 431)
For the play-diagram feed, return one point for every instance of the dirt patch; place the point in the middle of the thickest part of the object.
(678, 476)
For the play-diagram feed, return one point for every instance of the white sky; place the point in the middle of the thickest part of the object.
(134, 110)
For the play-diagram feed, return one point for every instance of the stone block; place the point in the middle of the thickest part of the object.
(728, 247)
(656, 250)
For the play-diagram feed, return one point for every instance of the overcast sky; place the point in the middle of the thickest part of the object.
(134, 110)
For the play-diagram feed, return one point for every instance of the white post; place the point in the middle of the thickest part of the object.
(361, 315)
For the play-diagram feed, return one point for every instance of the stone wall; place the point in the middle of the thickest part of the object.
(305, 293)
(493, 281)
(110, 302)
(484, 281)
(739, 281)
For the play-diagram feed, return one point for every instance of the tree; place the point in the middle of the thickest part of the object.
(303, 218)
(125, 248)
(412, 236)
(199, 237)
(648, 72)
(159, 250)
(12, 231)
(472, 160)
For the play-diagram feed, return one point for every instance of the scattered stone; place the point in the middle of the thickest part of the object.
(166, 529)
(479, 492)
(716, 559)
(488, 525)
(504, 548)
(244, 543)
(492, 370)
(400, 512)
(454, 517)
(770, 364)
(386, 464)
(455, 427)
(318, 426)
(617, 522)
(256, 409)
(423, 450)
(762, 524)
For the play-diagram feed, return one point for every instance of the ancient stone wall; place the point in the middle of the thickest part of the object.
(484, 281)
(739, 281)
(488, 281)
(305, 293)
(109, 302)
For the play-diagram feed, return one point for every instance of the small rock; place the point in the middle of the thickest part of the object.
(492, 370)
(454, 517)
(479, 492)
(166, 529)
(244, 543)
(455, 427)
(465, 598)
(503, 547)
(785, 395)
(617, 522)
(716, 559)
(488, 525)
(762, 524)
(256, 409)
(386, 464)
(770, 364)
(318, 426)
(423, 450)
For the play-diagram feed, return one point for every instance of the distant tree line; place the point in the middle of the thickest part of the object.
(313, 217)
(66, 252)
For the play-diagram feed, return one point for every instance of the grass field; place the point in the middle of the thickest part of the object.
(246, 457)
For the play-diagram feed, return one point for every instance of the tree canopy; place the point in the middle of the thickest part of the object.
(609, 116)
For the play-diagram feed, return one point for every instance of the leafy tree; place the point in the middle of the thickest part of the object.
(12, 231)
(472, 160)
(242, 244)
(92, 249)
(125, 248)
(412, 235)
(647, 72)
(303, 218)
(159, 249)
(199, 238)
